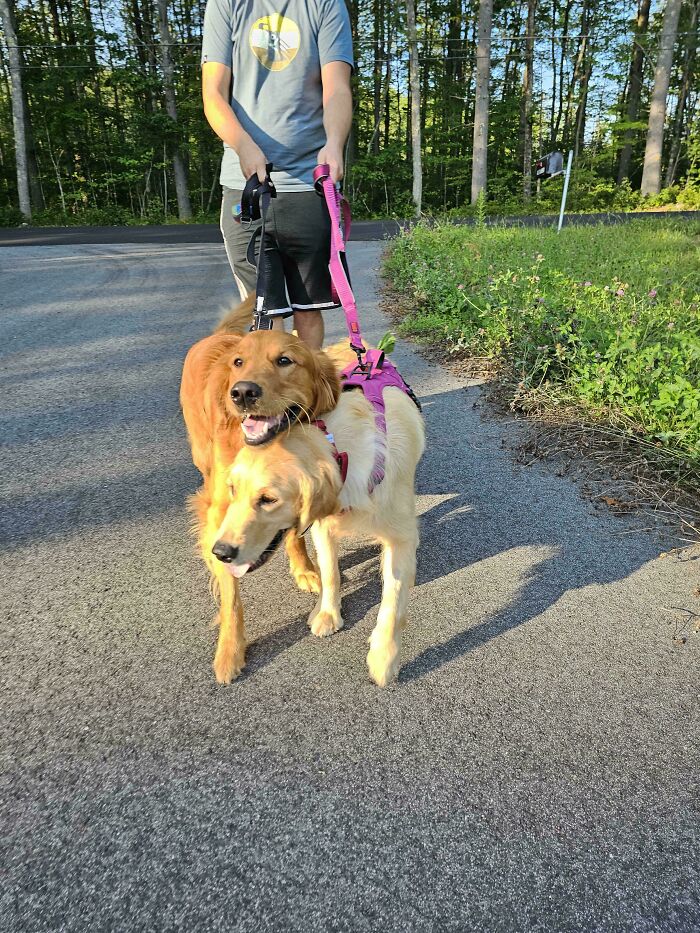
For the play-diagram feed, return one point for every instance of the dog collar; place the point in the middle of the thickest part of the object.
(340, 458)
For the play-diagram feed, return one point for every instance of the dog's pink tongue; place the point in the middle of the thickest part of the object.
(254, 427)
(238, 570)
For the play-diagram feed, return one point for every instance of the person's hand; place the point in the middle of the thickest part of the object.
(252, 159)
(332, 156)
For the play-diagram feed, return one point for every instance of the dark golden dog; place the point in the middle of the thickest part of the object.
(246, 388)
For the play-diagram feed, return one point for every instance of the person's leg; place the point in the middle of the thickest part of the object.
(309, 326)
(236, 241)
(302, 230)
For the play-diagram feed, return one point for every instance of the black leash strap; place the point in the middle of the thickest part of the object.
(255, 202)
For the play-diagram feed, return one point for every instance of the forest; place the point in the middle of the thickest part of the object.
(455, 100)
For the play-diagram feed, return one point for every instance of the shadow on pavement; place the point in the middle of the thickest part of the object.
(487, 506)
(476, 522)
(43, 514)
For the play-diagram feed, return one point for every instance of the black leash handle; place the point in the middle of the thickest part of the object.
(255, 202)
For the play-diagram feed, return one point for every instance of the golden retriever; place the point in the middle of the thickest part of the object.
(240, 388)
(295, 482)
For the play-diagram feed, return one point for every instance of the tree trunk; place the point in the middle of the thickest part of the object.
(18, 110)
(387, 85)
(563, 50)
(414, 83)
(351, 146)
(454, 80)
(651, 176)
(424, 71)
(526, 105)
(688, 70)
(581, 109)
(183, 196)
(553, 60)
(634, 89)
(513, 57)
(378, 48)
(578, 79)
(481, 101)
(56, 19)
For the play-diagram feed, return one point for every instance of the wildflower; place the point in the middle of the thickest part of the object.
(543, 348)
(539, 257)
(490, 280)
(540, 301)
(515, 279)
(460, 288)
(587, 284)
(535, 278)
(620, 293)
(671, 325)
(653, 293)
(596, 356)
(634, 319)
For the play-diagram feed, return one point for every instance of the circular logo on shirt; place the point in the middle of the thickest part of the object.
(275, 41)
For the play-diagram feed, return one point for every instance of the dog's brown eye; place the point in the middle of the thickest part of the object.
(238, 361)
(285, 361)
(266, 500)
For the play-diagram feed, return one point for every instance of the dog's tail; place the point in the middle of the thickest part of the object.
(239, 319)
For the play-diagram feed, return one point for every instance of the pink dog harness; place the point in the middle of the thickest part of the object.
(373, 372)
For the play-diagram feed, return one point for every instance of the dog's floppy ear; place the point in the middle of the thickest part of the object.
(318, 494)
(326, 384)
(217, 403)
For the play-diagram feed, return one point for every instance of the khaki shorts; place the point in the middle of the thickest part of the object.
(298, 231)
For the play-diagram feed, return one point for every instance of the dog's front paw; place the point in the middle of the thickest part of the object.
(383, 662)
(308, 581)
(228, 665)
(325, 623)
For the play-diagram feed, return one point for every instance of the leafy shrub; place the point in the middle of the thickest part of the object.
(79, 216)
(10, 216)
(609, 317)
(689, 197)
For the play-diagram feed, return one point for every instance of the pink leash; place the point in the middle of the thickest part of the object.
(373, 372)
(337, 266)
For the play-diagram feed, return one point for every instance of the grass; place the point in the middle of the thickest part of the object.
(604, 321)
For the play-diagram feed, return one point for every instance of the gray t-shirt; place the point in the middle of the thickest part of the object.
(276, 52)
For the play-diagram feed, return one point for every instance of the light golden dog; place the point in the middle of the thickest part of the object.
(295, 482)
(240, 388)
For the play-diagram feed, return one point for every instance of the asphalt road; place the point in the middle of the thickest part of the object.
(535, 768)
(362, 231)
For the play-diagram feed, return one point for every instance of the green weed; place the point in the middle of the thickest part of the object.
(609, 317)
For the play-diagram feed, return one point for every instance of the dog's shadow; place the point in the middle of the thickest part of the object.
(265, 648)
(527, 531)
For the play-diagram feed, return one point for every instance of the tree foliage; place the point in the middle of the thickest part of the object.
(102, 142)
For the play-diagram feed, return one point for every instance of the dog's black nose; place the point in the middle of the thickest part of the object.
(225, 552)
(246, 394)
